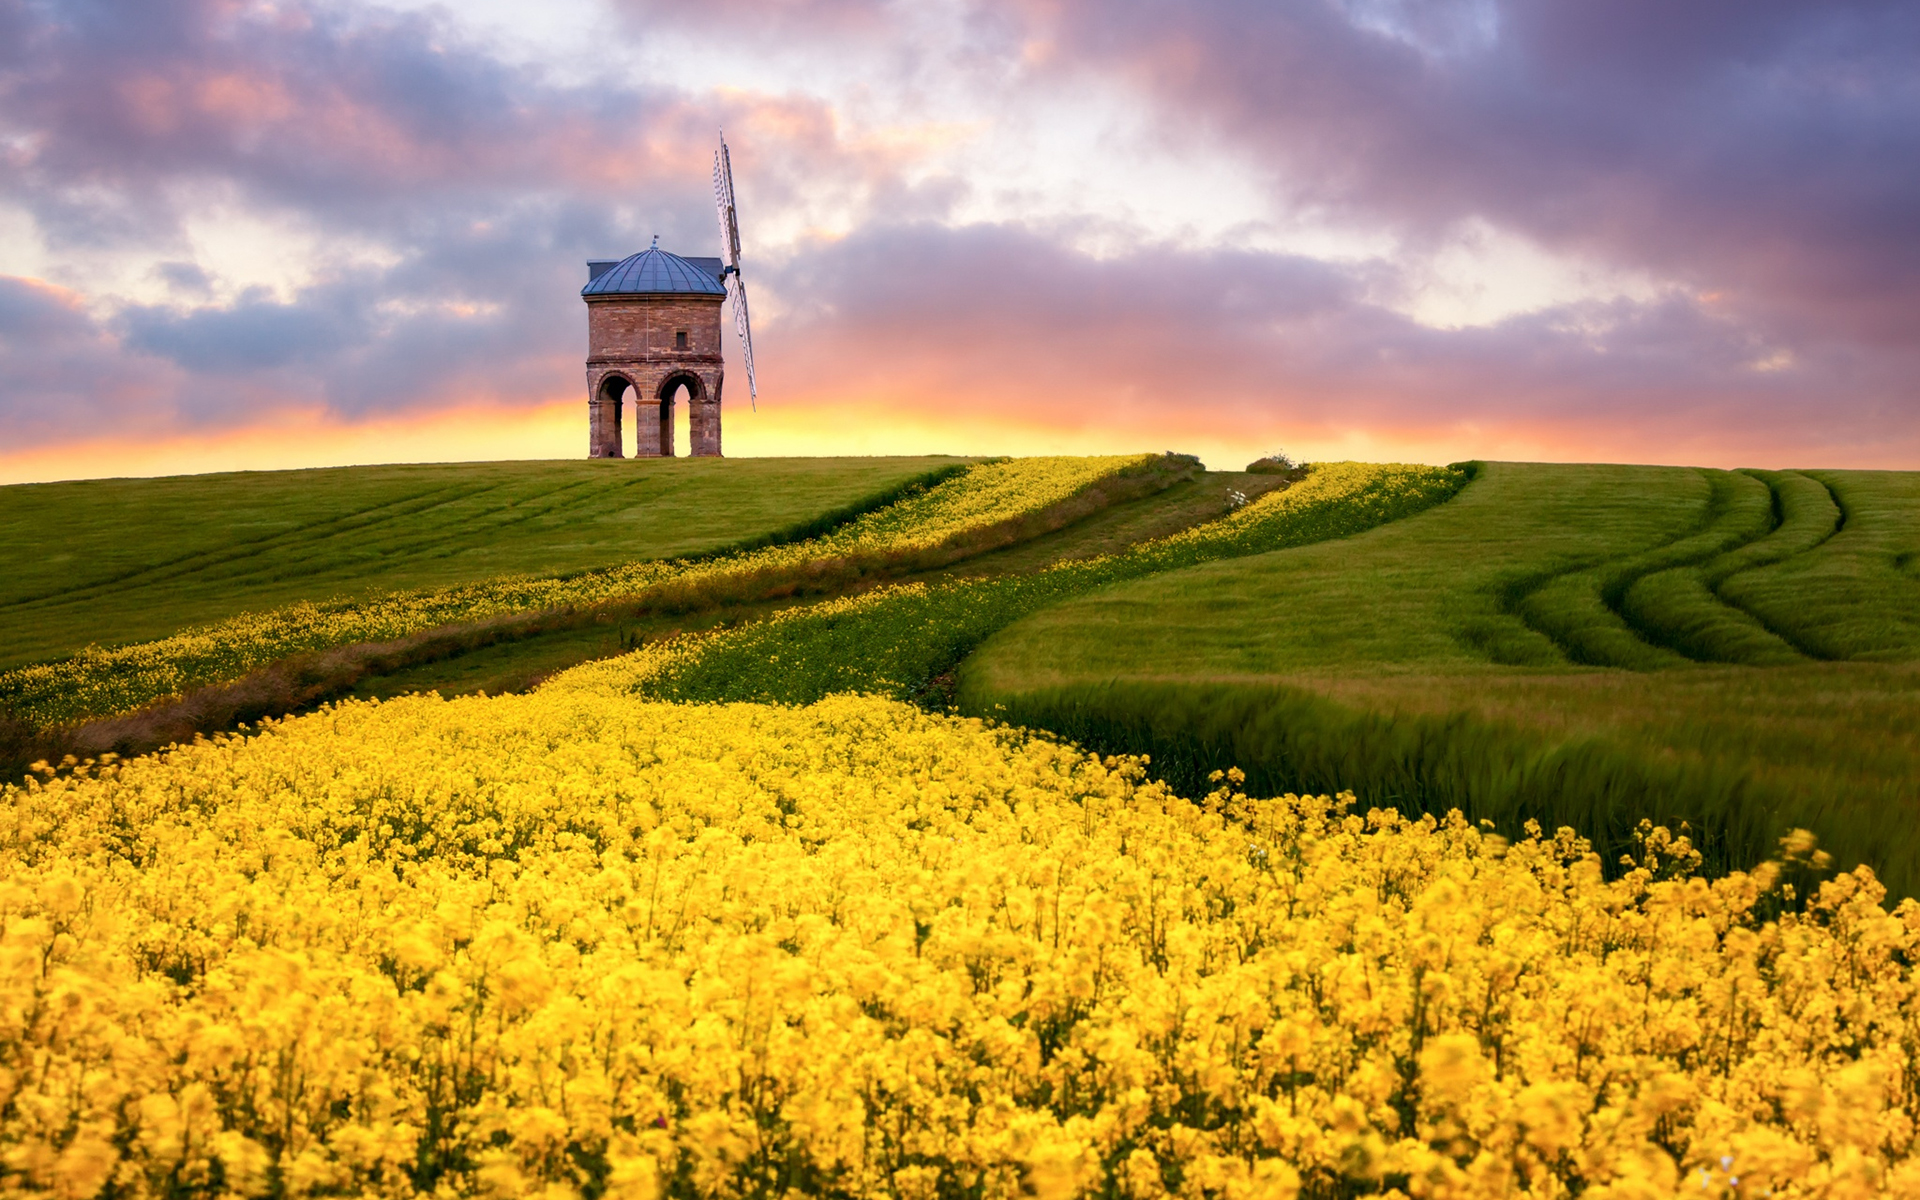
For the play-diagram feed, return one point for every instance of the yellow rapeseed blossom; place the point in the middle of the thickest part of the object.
(1380, 484)
(574, 944)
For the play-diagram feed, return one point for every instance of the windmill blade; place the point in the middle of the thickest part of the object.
(723, 202)
(723, 206)
(733, 205)
(730, 243)
(738, 291)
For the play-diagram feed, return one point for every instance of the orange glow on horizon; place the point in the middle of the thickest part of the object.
(822, 426)
(292, 441)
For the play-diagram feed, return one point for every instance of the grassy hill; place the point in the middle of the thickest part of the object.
(1585, 645)
(1564, 642)
(122, 560)
(577, 941)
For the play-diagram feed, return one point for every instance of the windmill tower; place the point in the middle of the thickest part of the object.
(653, 334)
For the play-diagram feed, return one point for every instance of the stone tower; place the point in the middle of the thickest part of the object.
(653, 331)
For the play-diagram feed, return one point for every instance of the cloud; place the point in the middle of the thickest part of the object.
(1766, 151)
(253, 334)
(62, 374)
(262, 212)
(1007, 324)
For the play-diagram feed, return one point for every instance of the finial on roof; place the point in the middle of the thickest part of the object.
(656, 242)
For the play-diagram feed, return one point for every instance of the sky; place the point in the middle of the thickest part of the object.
(240, 235)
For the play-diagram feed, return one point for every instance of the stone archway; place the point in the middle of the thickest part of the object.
(696, 390)
(609, 401)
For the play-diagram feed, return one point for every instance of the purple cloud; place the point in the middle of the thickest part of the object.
(1769, 151)
(1012, 325)
(1757, 162)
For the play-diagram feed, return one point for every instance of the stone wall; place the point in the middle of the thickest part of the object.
(634, 362)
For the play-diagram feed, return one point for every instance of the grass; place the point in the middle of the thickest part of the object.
(516, 663)
(1548, 645)
(124, 560)
(1856, 595)
(906, 641)
(1814, 729)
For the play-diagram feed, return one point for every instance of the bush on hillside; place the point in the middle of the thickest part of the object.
(1277, 463)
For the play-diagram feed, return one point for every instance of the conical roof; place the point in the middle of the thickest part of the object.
(654, 272)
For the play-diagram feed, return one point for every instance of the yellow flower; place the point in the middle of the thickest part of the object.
(574, 943)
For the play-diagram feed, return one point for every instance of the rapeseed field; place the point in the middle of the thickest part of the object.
(584, 942)
(575, 943)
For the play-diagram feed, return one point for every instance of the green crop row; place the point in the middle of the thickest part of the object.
(1681, 606)
(902, 641)
(1290, 740)
(1580, 610)
(1855, 591)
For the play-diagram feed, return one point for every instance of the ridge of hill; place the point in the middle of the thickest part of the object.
(113, 561)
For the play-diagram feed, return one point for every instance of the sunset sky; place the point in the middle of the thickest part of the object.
(240, 235)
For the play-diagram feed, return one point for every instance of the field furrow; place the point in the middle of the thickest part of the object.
(1848, 597)
(1682, 609)
(241, 549)
(111, 562)
(1591, 614)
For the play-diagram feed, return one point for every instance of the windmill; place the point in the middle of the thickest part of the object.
(730, 243)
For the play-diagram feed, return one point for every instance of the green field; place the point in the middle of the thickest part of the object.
(610, 937)
(512, 666)
(113, 561)
(1736, 649)
(1583, 645)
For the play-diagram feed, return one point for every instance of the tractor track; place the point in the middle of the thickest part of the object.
(1717, 560)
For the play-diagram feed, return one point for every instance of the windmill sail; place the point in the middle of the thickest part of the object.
(730, 243)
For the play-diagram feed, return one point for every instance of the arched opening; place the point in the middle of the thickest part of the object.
(609, 430)
(682, 433)
(676, 413)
